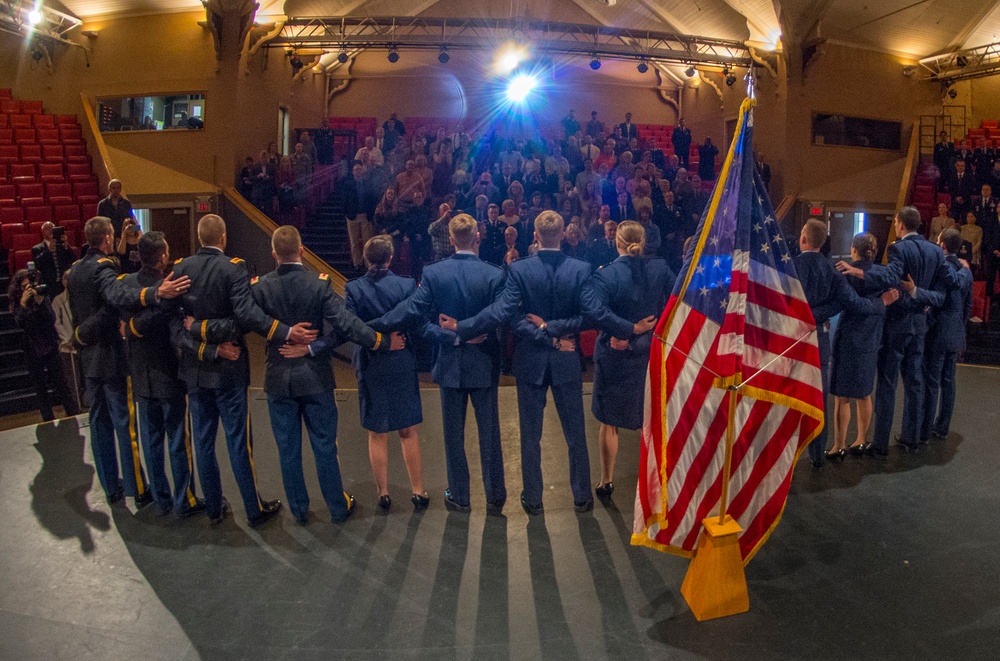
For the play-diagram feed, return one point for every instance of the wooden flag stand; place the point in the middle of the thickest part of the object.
(715, 585)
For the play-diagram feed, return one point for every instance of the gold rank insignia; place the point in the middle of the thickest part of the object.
(178, 260)
(324, 276)
(105, 260)
(254, 279)
(236, 260)
(122, 276)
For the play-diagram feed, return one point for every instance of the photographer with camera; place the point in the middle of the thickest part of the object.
(32, 309)
(128, 246)
(52, 257)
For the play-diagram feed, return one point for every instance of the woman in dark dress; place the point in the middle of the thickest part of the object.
(388, 391)
(855, 355)
(623, 300)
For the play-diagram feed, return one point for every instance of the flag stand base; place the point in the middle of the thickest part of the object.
(715, 585)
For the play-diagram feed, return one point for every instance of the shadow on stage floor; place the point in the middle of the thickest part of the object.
(872, 559)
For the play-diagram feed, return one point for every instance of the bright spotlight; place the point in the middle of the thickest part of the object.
(509, 61)
(34, 17)
(520, 87)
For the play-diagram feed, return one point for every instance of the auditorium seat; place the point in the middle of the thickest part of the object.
(42, 121)
(30, 190)
(24, 136)
(66, 212)
(53, 153)
(58, 189)
(23, 170)
(28, 202)
(74, 230)
(944, 198)
(31, 107)
(70, 134)
(6, 136)
(42, 214)
(78, 170)
(88, 204)
(66, 120)
(31, 154)
(50, 172)
(9, 154)
(21, 259)
(8, 231)
(24, 241)
(20, 121)
(3, 121)
(10, 106)
(48, 136)
(8, 192)
(35, 228)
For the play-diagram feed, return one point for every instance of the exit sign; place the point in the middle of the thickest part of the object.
(202, 205)
(815, 211)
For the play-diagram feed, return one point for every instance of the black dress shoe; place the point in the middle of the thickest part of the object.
(385, 503)
(420, 502)
(583, 507)
(836, 455)
(876, 453)
(223, 511)
(817, 464)
(494, 509)
(858, 449)
(533, 510)
(453, 506)
(117, 495)
(302, 520)
(143, 499)
(350, 510)
(938, 436)
(268, 509)
(604, 491)
(907, 446)
(191, 510)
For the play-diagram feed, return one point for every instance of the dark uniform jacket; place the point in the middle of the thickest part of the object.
(947, 333)
(294, 295)
(917, 257)
(828, 294)
(95, 296)
(548, 285)
(220, 291)
(460, 287)
(152, 360)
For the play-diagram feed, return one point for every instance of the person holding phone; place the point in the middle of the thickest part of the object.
(128, 246)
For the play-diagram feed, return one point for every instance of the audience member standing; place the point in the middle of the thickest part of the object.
(115, 207)
(356, 202)
(681, 140)
(706, 160)
(52, 257)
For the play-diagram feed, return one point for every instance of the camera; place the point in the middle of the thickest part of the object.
(58, 233)
(34, 278)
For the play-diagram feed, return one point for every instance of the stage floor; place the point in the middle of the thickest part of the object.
(891, 560)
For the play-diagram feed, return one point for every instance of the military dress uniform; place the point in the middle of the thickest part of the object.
(613, 300)
(547, 285)
(302, 388)
(160, 399)
(217, 388)
(856, 343)
(95, 295)
(461, 286)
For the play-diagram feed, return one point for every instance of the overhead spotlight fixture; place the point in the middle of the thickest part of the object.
(443, 56)
(393, 54)
(962, 61)
(689, 72)
(730, 80)
(520, 87)
(595, 63)
(34, 17)
(293, 59)
(342, 56)
(952, 93)
(643, 67)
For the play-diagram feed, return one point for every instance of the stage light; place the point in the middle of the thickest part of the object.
(508, 58)
(34, 17)
(689, 72)
(393, 54)
(443, 56)
(595, 63)
(342, 57)
(520, 87)
(952, 93)
(730, 80)
(643, 67)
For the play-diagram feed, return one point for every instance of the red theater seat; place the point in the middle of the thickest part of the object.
(24, 136)
(6, 136)
(10, 106)
(43, 121)
(9, 154)
(29, 202)
(50, 172)
(70, 133)
(41, 214)
(73, 227)
(66, 212)
(30, 190)
(21, 259)
(48, 136)
(31, 154)
(85, 188)
(60, 188)
(8, 231)
(88, 204)
(10, 215)
(24, 241)
(53, 153)
(4, 122)
(31, 107)
(7, 192)
(23, 170)
(66, 119)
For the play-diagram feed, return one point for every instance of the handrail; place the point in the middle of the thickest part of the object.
(906, 184)
(88, 112)
(258, 218)
(786, 205)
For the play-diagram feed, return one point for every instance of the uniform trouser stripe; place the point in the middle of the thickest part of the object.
(253, 468)
(133, 433)
(192, 500)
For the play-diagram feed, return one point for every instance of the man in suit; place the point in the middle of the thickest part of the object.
(919, 265)
(216, 368)
(508, 175)
(828, 294)
(460, 287)
(356, 204)
(629, 130)
(681, 140)
(156, 389)
(52, 257)
(595, 127)
(298, 378)
(394, 131)
(542, 300)
(623, 209)
(990, 250)
(944, 152)
(945, 340)
(95, 296)
(962, 187)
(603, 251)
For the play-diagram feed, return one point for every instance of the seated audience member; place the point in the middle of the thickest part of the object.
(973, 233)
(945, 340)
(32, 310)
(52, 257)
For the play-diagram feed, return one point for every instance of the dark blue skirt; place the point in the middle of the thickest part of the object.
(619, 385)
(389, 392)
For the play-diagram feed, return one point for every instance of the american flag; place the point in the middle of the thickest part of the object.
(737, 316)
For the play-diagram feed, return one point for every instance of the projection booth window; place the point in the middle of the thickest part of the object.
(152, 113)
(845, 131)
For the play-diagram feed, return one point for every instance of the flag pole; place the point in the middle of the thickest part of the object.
(732, 393)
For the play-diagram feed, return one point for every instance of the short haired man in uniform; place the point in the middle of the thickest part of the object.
(298, 379)
(542, 300)
(95, 296)
(158, 393)
(217, 373)
(460, 287)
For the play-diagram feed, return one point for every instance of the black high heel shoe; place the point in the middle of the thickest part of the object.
(836, 455)
(385, 502)
(420, 502)
(859, 449)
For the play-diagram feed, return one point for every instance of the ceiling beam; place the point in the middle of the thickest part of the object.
(975, 21)
(754, 23)
(673, 23)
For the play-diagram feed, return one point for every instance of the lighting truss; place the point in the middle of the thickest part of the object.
(485, 34)
(55, 24)
(964, 64)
